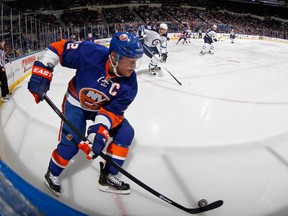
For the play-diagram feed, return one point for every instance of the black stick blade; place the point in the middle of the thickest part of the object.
(208, 207)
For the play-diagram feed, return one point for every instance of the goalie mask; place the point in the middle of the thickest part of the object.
(128, 52)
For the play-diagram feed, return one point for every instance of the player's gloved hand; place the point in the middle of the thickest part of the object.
(39, 82)
(164, 57)
(215, 39)
(86, 146)
(97, 137)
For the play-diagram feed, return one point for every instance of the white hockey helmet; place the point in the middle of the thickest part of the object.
(214, 27)
(164, 26)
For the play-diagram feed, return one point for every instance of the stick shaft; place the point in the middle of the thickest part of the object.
(105, 157)
(163, 66)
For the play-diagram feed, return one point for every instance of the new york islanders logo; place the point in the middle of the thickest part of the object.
(92, 99)
(123, 37)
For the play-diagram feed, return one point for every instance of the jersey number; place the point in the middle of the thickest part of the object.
(72, 46)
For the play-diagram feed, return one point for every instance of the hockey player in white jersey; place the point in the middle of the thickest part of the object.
(189, 35)
(209, 39)
(232, 36)
(152, 39)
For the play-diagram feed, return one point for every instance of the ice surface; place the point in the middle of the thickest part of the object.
(222, 135)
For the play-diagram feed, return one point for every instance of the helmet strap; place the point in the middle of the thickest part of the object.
(116, 64)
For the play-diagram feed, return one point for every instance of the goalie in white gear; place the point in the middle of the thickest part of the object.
(151, 39)
(209, 39)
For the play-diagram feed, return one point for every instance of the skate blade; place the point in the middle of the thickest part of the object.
(57, 194)
(152, 73)
(109, 189)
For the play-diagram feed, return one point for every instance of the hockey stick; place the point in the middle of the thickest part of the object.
(203, 206)
(163, 66)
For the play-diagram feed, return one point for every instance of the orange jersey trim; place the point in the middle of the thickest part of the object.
(61, 123)
(108, 76)
(59, 47)
(116, 120)
(59, 160)
(72, 89)
(117, 150)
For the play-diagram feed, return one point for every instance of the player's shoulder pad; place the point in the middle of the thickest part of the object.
(58, 46)
(90, 50)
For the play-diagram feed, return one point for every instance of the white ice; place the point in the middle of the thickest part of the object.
(223, 134)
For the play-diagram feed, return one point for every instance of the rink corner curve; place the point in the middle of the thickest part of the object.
(17, 197)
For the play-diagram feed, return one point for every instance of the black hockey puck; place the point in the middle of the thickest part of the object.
(202, 203)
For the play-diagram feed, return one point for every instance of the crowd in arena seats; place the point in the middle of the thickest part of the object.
(196, 18)
(81, 17)
(152, 14)
(47, 18)
(197, 15)
(119, 15)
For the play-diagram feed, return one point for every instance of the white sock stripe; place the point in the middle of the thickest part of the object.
(116, 157)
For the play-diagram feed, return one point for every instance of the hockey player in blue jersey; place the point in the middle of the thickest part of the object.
(153, 38)
(103, 87)
(209, 39)
(183, 36)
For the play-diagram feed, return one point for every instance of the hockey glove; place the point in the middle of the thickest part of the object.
(97, 137)
(163, 57)
(39, 82)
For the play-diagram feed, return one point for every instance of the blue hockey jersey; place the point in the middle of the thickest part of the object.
(93, 88)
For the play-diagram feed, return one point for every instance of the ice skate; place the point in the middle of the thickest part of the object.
(202, 53)
(111, 184)
(153, 69)
(53, 183)
(5, 99)
(211, 52)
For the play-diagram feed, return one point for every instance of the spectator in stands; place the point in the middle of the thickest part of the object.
(89, 37)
